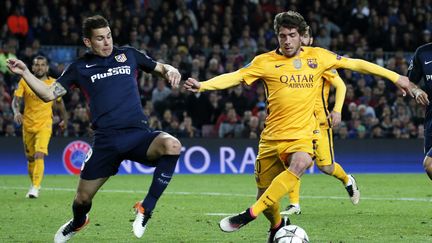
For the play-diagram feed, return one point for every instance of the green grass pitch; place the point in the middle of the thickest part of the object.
(393, 208)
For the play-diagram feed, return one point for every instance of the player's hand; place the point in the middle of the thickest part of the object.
(336, 118)
(63, 124)
(420, 96)
(16, 66)
(404, 85)
(18, 118)
(173, 76)
(192, 85)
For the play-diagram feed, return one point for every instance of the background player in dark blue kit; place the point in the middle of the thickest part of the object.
(107, 75)
(421, 67)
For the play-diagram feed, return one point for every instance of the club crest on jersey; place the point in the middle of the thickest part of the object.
(297, 64)
(121, 58)
(312, 63)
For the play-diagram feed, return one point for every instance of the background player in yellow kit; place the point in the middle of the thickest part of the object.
(36, 123)
(324, 155)
(292, 78)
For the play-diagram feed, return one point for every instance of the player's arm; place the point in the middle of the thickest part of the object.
(43, 91)
(336, 81)
(60, 106)
(169, 72)
(419, 95)
(223, 81)
(247, 74)
(147, 64)
(415, 74)
(362, 66)
(16, 108)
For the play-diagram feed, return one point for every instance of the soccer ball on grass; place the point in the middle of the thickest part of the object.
(292, 234)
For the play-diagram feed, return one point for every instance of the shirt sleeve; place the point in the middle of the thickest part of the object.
(333, 60)
(415, 70)
(69, 76)
(144, 62)
(334, 79)
(252, 71)
(223, 81)
(19, 92)
(248, 74)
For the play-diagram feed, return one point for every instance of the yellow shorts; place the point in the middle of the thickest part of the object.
(324, 154)
(36, 142)
(272, 155)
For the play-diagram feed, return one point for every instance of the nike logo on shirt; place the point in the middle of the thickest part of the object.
(166, 176)
(426, 63)
(89, 66)
(278, 66)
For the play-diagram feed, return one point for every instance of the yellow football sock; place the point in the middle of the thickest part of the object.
(273, 215)
(38, 172)
(294, 194)
(281, 185)
(340, 173)
(30, 169)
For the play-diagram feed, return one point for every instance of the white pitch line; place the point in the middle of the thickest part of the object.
(219, 214)
(414, 199)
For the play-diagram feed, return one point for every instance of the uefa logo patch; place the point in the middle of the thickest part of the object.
(74, 156)
(121, 58)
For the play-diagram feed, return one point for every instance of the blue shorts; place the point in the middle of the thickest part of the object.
(111, 148)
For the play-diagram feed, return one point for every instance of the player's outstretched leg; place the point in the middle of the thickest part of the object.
(234, 223)
(352, 189)
(66, 231)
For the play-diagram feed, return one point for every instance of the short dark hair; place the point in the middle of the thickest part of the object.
(91, 23)
(40, 57)
(290, 19)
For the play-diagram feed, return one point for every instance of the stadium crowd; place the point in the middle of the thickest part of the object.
(206, 38)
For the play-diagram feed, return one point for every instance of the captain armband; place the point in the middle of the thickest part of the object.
(59, 90)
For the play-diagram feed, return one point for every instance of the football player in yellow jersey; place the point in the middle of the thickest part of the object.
(292, 77)
(324, 155)
(36, 123)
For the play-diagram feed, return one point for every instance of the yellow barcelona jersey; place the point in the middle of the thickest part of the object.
(292, 86)
(37, 113)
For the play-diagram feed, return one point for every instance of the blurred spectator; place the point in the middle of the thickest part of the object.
(174, 129)
(9, 130)
(238, 99)
(377, 132)
(167, 119)
(252, 129)
(154, 123)
(7, 52)
(176, 102)
(231, 126)
(188, 130)
(18, 24)
(215, 108)
(159, 94)
(198, 108)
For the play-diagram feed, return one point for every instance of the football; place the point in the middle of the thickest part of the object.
(292, 234)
